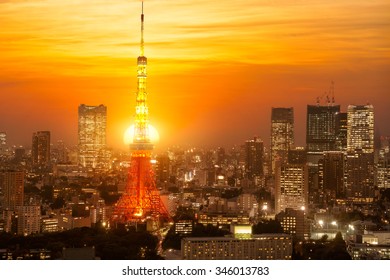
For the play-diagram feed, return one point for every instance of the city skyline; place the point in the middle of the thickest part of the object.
(216, 69)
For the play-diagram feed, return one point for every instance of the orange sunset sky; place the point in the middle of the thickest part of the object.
(215, 68)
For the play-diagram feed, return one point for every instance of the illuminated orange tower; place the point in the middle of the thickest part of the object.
(141, 200)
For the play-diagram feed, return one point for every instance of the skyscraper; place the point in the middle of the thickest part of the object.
(163, 171)
(331, 177)
(359, 179)
(360, 134)
(12, 187)
(3, 138)
(254, 153)
(40, 151)
(92, 135)
(383, 171)
(282, 133)
(291, 186)
(321, 127)
(341, 131)
(3, 141)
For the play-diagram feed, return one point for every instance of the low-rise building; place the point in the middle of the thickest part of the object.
(371, 245)
(242, 245)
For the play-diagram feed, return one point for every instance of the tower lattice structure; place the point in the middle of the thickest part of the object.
(141, 199)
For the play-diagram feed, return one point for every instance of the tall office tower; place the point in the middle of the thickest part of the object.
(3, 140)
(12, 187)
(291, 186)
(331, 177)
(92, 135)
(141, 198)
(282, 134)
(359, 177)
(59, 152)
(383, 171)
(341, 131)
(40, 151)
(321, 127)
(254, 153)
(220, 155)
(163, 171)
(360, 133)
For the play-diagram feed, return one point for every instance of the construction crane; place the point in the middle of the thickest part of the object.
(330, 100)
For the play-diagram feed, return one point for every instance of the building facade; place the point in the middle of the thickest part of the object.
(92, 125)
(253, 247)
(294, 222)
(341, 131)
(359, 177)
(291, 186)
(12, 187)
(29, 217)
(321, 127)
(282, 134)
(254, 155)
(331, 177)
(40, 151)
(360, 134)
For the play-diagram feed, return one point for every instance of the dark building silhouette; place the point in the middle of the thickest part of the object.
(40, 151)
(254, 153)
(321, 127)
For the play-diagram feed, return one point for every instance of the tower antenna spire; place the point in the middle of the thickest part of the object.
(142, 30)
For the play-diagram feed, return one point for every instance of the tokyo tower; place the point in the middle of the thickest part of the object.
(141, 200)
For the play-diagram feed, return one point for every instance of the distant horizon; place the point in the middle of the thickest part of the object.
(266, 140)
(215, 69)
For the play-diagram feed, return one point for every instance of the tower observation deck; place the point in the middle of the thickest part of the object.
(141, 199)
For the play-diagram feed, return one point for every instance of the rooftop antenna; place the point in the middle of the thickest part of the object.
(142, 30)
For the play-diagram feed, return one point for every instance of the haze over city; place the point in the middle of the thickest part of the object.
(216, 68)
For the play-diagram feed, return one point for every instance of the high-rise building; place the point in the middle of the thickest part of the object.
(359, 177)
(19, 154)
(40, 151)
(3, 140)
(341, 131)
(331, 177)
(12, 187)
(291, 186)
(383, 171)
(92, 135)
(282, 134)
(254, 153)
(3, 143)
(360, 134)
(321, 127)
(162, 171)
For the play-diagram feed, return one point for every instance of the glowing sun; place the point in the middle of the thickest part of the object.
(128, 137)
